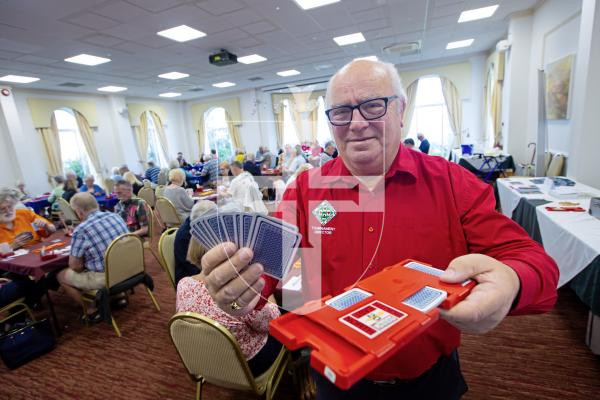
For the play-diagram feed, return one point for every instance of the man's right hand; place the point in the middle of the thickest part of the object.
(229, 278)
(21, 240)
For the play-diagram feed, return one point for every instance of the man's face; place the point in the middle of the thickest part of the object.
(7, 212)
(123, 193)
(365, 145)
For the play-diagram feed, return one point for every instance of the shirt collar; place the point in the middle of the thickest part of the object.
(404, 163)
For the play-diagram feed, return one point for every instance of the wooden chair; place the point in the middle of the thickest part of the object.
(556, 165)
(166, 251)
(210, 353)
(158, 191)
(149, 239)
(166, 213)
(147, 194)
(124, 268)
(8, 309)
(67, 211)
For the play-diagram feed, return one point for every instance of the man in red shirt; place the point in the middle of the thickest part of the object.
(380, 203)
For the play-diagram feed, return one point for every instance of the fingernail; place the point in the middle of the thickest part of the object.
(258, 268)
(246, 255)
(448, 274)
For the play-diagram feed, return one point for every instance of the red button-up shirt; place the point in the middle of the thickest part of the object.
(428, 210)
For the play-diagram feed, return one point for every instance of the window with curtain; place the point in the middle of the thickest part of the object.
(74, 155)
(323, 131)
(290, 136)
(488, 140)
(216, 133)
(155, 152)
(431, 116)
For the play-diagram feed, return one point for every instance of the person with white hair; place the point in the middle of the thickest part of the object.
(177, 195)
(91, 187)
(457, 229)
(115, 174)
(19, 227)
(23, 193)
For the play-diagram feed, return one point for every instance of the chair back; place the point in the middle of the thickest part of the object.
(166, 251)
(166, 212)
(147, 194)
(109, 185)
(159, 190)
(150, 215)
(67, 210)
(208, 350)
(556, 165)
(123, 259)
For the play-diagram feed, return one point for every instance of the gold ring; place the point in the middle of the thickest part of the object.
(235, 306)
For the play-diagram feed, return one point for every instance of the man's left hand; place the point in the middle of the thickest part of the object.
(490, 301)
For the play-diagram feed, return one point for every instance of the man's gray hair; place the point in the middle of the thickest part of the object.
(330, 143)
(9, 194)
(382, 68)
(84, 202)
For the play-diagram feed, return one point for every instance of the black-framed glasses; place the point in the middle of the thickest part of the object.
(369, 109)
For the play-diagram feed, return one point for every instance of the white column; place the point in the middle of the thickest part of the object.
(11, 172)
(583, 160)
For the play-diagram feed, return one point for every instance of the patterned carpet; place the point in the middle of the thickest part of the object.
(541, 357)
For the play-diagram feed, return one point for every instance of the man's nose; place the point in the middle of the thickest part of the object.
(357, 121)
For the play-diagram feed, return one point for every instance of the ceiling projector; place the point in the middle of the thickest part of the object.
(222, 58)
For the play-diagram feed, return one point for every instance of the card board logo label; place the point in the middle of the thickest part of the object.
(324, 212)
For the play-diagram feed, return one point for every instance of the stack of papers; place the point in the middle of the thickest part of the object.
(564, 192)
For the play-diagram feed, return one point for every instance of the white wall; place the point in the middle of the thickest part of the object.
(554, 34)
(8, 162)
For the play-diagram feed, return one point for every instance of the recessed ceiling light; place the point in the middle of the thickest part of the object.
(181, 33)
(349, 39)
(87, 59)
(112, 89)
(223, 84)
(18, 79)
(170, 94)
(308, 4)
(173, 75)
(368, 58)
(251, 59)
(459, 43)
(289, 72)
(477, 13)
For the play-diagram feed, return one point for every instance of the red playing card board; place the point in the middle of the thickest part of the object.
(349, 343)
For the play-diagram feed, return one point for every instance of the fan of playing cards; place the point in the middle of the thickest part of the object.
(273, 241)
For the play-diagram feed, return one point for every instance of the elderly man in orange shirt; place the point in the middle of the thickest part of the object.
(19, 227)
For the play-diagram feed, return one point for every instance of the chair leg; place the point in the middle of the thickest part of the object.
(199, 384)
(115, 326)
(85, 320)
(153, 299)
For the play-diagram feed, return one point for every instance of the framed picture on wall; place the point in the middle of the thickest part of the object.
(559, 78)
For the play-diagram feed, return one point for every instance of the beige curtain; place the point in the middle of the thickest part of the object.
(234, 131)
(295, 113)
(160, 130)
(200, 135)
(51, 142)
(313, 119)
(278, 113)
(87, 135)
(141, 137)
(454, 106)
(409, 108)
(497, 113)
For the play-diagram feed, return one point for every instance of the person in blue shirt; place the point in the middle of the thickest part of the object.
(152, 172)
(91, 187)
(424, 146)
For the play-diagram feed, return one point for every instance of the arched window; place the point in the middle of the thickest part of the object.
(72, 150)
(216, 133)
(290, 136)
(323, 131)
(155, 152)
(431, 116)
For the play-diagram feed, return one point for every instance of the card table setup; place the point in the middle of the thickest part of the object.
(35, 260)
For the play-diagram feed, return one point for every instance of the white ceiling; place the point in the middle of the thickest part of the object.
(36, 36)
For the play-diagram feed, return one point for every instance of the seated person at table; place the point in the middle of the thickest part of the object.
(152, 172)
(72, 176)
(91, 187)
(327, 154)
(90, 240)
(250, 165)
(135, 183)
(131, 209)
(57, 191)
(177, 195)
(12, 290)
(183, 236)
(116, 176)
(409, 143)
(69, 189)
(251, 331)
(163, 177)
(243, 190)
(23, 193)
(19, 227)
(181, 161)
(211, 172)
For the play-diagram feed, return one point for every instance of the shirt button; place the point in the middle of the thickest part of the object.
(371, 229)
(372, 194)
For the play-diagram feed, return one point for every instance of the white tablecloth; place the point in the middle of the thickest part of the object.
(571, 238)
